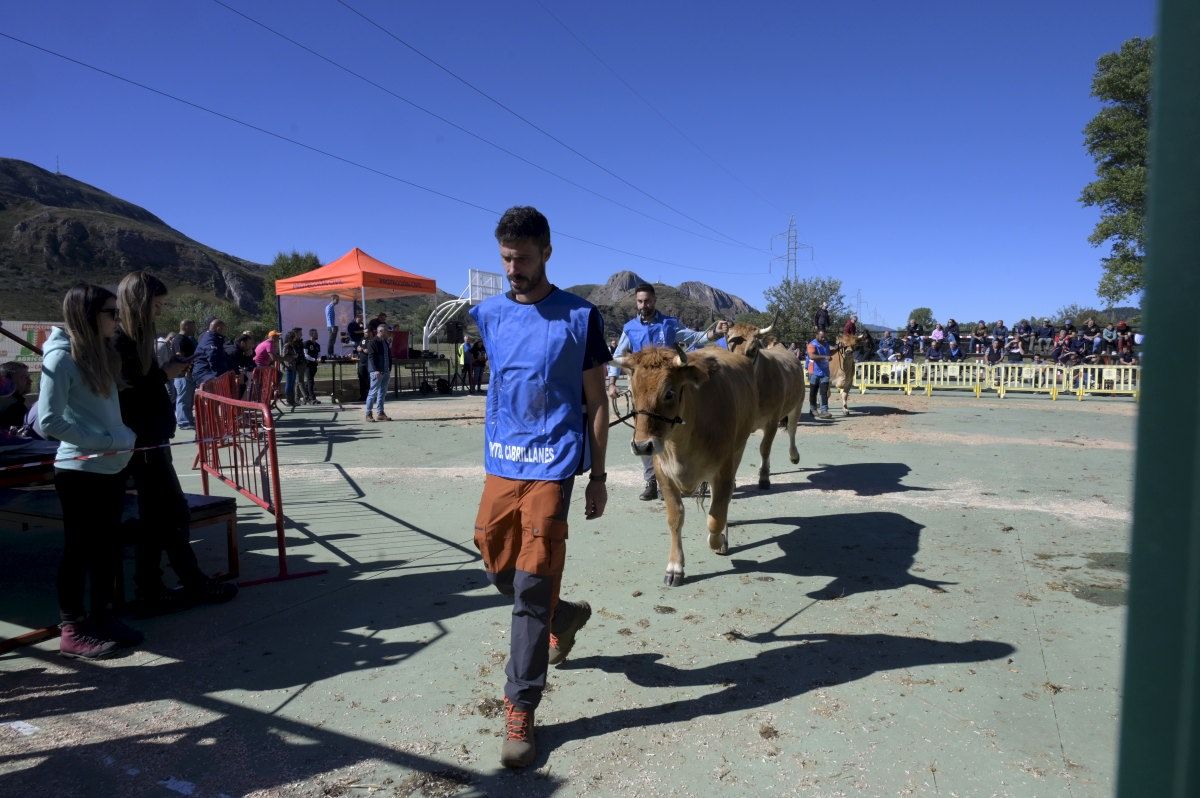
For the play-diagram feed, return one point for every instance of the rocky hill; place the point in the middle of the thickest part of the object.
(56, 231)
(694, 303)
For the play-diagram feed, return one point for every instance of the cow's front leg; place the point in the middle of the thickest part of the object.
(718, 512)
(845, 401)
(674, 503)
(792, 420)
(764, 454)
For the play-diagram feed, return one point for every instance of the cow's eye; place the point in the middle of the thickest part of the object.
(669, 395)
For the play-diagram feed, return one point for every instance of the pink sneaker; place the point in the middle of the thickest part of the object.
(78, 642)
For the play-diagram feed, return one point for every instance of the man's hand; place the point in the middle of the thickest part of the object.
(175, 369)
(594, 499)
(721, 328)
(376, 374)
(612, 390)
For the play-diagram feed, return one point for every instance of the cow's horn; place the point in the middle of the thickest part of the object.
(682, 355)
(767, 329)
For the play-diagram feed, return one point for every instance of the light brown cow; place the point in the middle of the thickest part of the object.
(841, 367)
(694, 413)
(779, 377)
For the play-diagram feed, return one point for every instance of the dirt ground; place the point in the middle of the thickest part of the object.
(931, 603)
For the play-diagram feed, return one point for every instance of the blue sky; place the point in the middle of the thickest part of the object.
(930, 152)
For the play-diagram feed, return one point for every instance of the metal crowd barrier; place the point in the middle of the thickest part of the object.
(236, 445)
(1020, 378)
(1118, 380)
(875, 374)
(953, 376)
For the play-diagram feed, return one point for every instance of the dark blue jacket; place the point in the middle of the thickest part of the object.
(211, 359)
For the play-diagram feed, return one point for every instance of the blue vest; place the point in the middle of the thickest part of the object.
(819, 368)
(535, 422)
(659, 332)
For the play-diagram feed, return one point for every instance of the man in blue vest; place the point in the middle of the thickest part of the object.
(651, 328)
(546, 422)
(818, 377)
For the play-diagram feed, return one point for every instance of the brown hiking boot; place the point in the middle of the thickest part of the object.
(563, 641)
(518, 750)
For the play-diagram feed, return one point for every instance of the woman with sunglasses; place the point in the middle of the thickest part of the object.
(78, 405)
(165, 521)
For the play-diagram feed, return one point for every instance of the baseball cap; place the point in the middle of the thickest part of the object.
(273, 334)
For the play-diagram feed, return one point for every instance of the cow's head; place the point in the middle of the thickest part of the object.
(661, 381)
(747, 339)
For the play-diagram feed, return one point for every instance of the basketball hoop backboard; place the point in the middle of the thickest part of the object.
(482, 285)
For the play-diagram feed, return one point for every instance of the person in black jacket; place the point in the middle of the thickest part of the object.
(210, 359)
(379, 367)
(165, 521)
(821, 317)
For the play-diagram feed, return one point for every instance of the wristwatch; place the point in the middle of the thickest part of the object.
(598, 477)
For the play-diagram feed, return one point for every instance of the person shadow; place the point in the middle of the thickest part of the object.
(810, 662)
(862, 552)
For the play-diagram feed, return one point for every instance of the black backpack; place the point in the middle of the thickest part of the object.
(443, 387)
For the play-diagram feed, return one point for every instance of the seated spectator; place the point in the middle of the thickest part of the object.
(887, 345)
(1062, 337)
(952, 333)
(355, 331)
(955, 354)
(1126, 357)
(1080, 344)
(1069, 326)
(979, 338)
(1045, 336)
(1000, 332)
(917, 332)
(15, 377)
(851, 327)
(938, 335)
(1016, 353)
(934, 353)
(907, 348)
(995, 352)
(1108, 339)
(1090, 328)
(1024, 331)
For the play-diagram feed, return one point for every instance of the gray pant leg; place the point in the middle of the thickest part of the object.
(529, 644)
(647, 468)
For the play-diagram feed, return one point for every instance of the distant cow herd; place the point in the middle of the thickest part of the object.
(694, 411)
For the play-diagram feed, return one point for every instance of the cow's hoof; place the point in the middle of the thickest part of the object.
(795, 458)
(719, 543)
(764, 484)
(673, 578)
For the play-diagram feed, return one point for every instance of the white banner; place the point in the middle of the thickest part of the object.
(35, 332)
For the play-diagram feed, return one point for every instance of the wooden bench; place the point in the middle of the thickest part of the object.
(30, 507)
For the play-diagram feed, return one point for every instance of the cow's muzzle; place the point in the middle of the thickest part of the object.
(642, 448)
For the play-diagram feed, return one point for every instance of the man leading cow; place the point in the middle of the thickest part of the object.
(651, 328)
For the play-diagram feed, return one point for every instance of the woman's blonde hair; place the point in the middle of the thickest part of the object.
(94, 355)
(136, 294)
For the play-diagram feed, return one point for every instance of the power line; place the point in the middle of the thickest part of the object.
(652, 107)
(539, 129)
(462, 129)
(334, 156)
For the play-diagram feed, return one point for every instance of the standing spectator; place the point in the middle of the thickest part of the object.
(612, 345)
(652, 328)
(331, 324)
(184, 349)
(979, 338)
(821, 317)
(165, 521)
(364, 375)
(264, 352)
(463, 351)
(379, 366)
(851, 327)
(12, 407)
(210, 359)
(312, 359)
(818, 377)
(478, 361)
(887, 345)
(995, 352)
(78, 405)
(293, 361)
(355, 331)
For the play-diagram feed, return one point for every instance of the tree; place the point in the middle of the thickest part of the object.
(797, 302)
(1118, 138)
(924, 317)
(286, 264)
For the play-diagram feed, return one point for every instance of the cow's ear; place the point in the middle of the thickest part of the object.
(692, 374)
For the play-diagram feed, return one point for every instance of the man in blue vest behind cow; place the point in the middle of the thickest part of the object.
(546, 422)
(651, 328)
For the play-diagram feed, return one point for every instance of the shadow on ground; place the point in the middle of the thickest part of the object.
(865, 479)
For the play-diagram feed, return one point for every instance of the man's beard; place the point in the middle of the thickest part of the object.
(528, 283)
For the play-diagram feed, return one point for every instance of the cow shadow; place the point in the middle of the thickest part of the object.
(881, 410)
(864, 479)
(767, 677)
(862, 552)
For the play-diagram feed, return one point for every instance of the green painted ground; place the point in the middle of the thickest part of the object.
(931, 603)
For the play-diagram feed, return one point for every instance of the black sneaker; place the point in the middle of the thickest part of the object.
(212, 591)
(164, 602)
(120, 633)
(563, 640)
(650, 492)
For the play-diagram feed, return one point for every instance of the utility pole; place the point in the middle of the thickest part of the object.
(791, 250)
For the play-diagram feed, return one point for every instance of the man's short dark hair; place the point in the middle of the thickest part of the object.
(645, 288)
(523, 223)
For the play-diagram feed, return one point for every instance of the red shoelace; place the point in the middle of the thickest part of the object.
(518, 721)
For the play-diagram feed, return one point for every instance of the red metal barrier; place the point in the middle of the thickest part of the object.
(236, 442)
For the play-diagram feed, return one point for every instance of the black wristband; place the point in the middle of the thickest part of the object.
(598, 477)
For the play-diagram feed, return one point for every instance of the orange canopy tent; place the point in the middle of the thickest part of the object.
(356, 275)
